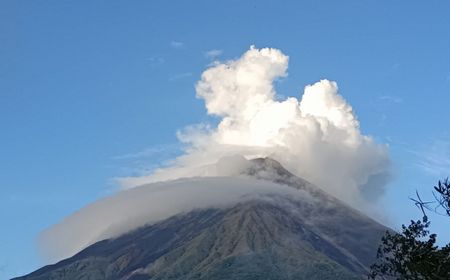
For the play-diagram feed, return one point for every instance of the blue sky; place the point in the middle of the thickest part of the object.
(94, 90)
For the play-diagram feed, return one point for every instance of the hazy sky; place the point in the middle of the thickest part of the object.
(93, 90)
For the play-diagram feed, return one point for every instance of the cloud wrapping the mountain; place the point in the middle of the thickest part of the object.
(130, 209)
(316, 136)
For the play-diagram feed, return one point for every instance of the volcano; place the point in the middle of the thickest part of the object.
(302, 234)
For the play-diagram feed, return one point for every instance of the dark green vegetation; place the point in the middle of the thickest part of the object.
(272, 237)
(412, 254)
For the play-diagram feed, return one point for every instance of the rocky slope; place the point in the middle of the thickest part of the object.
(274, 237)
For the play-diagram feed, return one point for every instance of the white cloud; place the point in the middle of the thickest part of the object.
(391, 98)
(176, 44)
(213, 54)
(150, 152)
(435, 157)
(145, 161)
(180, 76)
(118, 214)
(156, 60)
(316, 136)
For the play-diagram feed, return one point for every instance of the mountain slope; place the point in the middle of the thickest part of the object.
(274, 237)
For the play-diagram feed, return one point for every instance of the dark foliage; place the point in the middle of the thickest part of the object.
(443, 195)
(412, 254)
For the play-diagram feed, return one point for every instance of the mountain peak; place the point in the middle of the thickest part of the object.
(261, 222)
(261, 168)
(267, 165)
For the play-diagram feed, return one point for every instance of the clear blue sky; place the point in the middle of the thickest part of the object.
(84, 82)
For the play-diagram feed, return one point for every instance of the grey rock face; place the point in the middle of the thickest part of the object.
(273, 238)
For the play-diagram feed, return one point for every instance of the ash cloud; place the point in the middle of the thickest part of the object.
(316, 136)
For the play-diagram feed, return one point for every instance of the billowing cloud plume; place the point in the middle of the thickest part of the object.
(316, 137)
